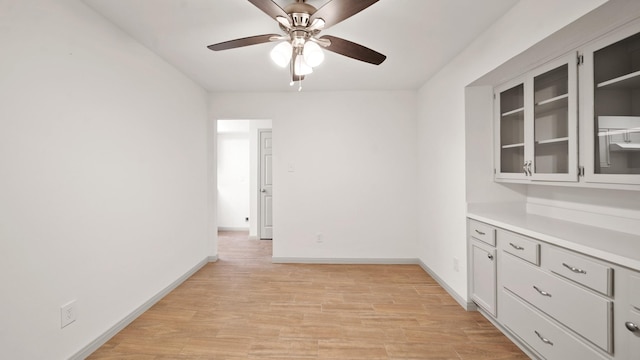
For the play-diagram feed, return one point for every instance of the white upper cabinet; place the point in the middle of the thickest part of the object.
(536, 125)
(610, 108)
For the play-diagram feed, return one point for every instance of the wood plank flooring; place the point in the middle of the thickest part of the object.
(245, 307)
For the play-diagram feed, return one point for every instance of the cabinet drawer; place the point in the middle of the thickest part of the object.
(482, 232)
(545, 337)
(584, 312)
(580, 269)
(520, 246)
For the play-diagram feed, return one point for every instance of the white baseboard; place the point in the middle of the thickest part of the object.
(230, 228)
(466, 304)
(102, 339)
(212, 258)
(344, 261)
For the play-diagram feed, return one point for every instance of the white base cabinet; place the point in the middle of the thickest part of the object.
(560, 304)
(483, 266)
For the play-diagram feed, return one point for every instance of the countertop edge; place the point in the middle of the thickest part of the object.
(518, 221)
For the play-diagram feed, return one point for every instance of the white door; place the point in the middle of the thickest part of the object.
(266, 176)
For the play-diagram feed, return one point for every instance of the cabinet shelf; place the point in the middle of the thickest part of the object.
(511, 146)
(625, 147)
(552, 141)
(553, 99)
(554, 103)
(631, 80)
(513, 112)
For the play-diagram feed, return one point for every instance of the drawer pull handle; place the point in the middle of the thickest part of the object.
(480, 232)
(516, 246)
(574, 269)
(543, 339)
(631, 326)
(543, 293)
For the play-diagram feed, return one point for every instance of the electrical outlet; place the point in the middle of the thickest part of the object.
(68, 313)
(456, 264)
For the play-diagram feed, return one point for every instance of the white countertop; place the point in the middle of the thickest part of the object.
(616, 247)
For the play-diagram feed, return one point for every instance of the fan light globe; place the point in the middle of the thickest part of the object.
(281, 54)
(313, 54)
(301, 68)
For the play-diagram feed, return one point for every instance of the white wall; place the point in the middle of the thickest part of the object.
(103, 192)
(354, 179)
(441, 128)
(233, 174)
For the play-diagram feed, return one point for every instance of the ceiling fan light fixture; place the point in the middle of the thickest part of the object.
(313, 54)
(299, 47)
(301, 68)
(281, 54)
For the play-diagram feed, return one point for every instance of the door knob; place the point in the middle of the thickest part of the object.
(631, 326)
(490, 257)
(263, 190)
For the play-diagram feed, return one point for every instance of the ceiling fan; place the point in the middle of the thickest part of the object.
(299, 46)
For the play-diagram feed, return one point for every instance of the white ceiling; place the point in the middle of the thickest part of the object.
(418, 36)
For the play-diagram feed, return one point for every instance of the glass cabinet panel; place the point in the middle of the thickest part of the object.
(616, 73)
(551, 121)
(512, 125)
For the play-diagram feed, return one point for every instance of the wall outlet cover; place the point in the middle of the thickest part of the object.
(68, 314)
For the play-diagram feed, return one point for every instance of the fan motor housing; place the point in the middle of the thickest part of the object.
(300, 13)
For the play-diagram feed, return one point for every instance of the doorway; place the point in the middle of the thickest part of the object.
(239, 174)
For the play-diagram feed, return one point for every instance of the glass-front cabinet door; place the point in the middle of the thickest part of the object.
(612, 108)
(555, 128)
(537, 122)
(510, 132)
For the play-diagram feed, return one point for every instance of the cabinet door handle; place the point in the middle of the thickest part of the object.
(574, 269)
(490, 256)
(543, 339)
(479, 232)
(529, 167)
(516, 246)
(631, 326)
(543, 293)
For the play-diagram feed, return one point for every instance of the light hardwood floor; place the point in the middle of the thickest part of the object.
(245, 307)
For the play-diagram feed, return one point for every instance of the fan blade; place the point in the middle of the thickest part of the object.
(353, 50)
(251, 40)
(270, 8)
(336, 11)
